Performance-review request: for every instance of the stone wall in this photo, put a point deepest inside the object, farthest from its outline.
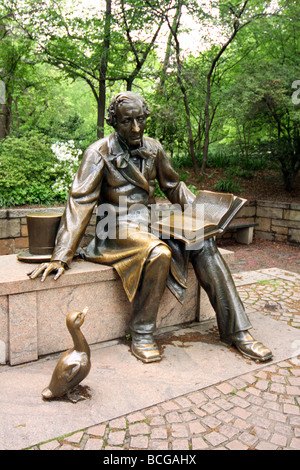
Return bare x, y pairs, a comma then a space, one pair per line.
277, 221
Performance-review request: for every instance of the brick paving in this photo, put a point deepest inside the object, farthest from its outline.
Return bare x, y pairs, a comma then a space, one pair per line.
258, 410
277, 298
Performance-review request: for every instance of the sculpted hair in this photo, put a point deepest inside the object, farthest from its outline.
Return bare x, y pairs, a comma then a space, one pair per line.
124, 97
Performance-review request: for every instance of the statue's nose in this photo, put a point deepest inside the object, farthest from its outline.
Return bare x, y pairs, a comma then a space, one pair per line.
135, 126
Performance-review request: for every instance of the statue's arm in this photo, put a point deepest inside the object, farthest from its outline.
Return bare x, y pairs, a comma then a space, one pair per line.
83, 197
169, 181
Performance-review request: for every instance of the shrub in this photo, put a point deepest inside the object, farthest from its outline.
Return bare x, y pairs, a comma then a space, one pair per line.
219, 159
228, 186
25, 170
67, 162
33, 171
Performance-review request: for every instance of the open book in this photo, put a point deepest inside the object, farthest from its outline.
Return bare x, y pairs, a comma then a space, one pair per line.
208, 215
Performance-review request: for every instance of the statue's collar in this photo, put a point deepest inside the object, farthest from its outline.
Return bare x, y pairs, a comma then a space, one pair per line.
120, 158
120, 153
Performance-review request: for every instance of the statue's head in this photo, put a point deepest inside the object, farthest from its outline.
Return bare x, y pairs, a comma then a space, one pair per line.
128, 113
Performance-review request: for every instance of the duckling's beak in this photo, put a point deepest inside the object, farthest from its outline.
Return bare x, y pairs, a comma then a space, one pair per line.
85, 311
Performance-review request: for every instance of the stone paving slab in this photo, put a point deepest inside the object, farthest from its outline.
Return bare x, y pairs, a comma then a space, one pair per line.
119, 384
252, 277
281, 273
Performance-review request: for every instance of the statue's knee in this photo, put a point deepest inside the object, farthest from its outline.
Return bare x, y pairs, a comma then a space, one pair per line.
162, 253
209, 246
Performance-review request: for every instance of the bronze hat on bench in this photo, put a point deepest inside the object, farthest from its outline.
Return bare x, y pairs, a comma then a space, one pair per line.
42, 230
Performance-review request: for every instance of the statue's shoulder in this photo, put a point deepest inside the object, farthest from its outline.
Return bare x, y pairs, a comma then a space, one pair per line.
101, 146
152, 144
96, 151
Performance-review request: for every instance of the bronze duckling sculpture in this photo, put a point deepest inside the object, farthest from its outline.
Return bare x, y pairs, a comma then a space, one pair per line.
74, 364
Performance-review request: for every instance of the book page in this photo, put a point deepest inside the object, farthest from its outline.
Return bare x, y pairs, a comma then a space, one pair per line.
216, 205
210, 213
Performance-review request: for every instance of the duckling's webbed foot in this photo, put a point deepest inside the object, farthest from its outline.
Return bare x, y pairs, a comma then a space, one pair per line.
77, 394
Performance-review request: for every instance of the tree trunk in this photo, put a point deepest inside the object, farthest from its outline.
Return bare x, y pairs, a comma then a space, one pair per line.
169, 49
190, 132
207, 125
289, 176
174, 31
102, 73
3, 112
6, 117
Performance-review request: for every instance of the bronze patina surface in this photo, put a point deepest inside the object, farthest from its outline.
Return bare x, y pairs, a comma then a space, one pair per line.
42, 230
74, 365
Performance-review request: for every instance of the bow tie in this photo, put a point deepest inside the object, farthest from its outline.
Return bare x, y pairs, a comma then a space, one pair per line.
122, 160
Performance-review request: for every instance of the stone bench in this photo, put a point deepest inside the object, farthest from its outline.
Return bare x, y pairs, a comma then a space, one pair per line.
32, 313
244, 231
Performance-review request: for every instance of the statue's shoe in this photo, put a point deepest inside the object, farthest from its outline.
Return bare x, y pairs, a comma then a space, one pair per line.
249, 347
145, 349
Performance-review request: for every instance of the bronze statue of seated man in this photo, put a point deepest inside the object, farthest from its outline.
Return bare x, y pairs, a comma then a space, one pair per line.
127, 164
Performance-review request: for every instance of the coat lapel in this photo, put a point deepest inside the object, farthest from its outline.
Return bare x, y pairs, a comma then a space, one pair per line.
121, 160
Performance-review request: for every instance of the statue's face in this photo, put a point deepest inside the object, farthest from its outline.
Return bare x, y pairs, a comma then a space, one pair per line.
131, 122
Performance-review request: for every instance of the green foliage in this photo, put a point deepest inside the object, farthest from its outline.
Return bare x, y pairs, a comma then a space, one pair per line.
160, 195
25, 170
219, 159
158, 192
32, 171
193, 189
167, 121
228, 185
51, 63
182, 160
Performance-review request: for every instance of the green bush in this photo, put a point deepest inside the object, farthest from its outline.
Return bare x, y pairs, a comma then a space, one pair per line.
182, 160
25, 170
228, 185
32, 171
219, 159
160, 195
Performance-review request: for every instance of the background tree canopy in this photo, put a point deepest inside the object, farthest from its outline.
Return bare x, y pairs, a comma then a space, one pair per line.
222, 80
